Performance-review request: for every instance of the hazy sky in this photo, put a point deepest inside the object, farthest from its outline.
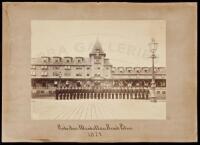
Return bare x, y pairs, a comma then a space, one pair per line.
126, 43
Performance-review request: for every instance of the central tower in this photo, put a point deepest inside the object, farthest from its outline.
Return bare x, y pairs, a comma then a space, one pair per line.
97, 57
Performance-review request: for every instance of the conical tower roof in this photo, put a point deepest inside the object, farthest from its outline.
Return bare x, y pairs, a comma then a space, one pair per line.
97, 48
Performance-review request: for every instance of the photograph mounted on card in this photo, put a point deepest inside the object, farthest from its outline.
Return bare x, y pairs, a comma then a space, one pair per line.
99, 72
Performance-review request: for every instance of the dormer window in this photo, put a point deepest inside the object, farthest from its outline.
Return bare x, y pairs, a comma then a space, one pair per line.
57, 59
79, 59
129, 70
45, 59
68, 59
146, 70
121, 70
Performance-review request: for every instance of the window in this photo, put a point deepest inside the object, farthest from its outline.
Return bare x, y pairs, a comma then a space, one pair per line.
68, 61
79, 68
88, 74
146, 70
88, 68
33, 67
33, 73
97, 61
121, 70
107, 68
57, 60
129, 69
98, 68
56, 67
55, 74
44, 67
163, 92
158, 92
79, 60
97, 75
67, 73
67, 67
79, 74
44, 73
45, 60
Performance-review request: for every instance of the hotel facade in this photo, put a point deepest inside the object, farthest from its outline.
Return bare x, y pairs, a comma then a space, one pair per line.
96, 72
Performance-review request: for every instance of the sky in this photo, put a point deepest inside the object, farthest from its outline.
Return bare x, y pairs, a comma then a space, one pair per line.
125, 42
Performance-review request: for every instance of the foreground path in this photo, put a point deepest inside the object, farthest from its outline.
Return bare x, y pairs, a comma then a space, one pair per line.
48, 109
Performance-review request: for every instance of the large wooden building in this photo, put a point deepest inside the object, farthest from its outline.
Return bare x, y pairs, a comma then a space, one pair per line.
96, 71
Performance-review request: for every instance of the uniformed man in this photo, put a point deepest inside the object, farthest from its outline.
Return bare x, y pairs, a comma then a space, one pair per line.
143, 93
60, 93
57, 93
72, 93
136, 93
64, 93
147, 93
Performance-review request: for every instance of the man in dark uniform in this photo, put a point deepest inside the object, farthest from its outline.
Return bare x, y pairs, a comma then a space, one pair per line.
143, 93
108, 88
147, 93
64, 93
83, 92
105, 92
131, 92
78, 93
56, 92
136, 93
124, 92
70, 92
60, 93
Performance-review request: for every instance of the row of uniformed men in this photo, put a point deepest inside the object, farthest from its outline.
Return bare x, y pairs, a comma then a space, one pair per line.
103, 93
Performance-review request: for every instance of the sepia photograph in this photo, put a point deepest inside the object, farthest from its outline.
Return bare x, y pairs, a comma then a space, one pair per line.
98, 69
99, 72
